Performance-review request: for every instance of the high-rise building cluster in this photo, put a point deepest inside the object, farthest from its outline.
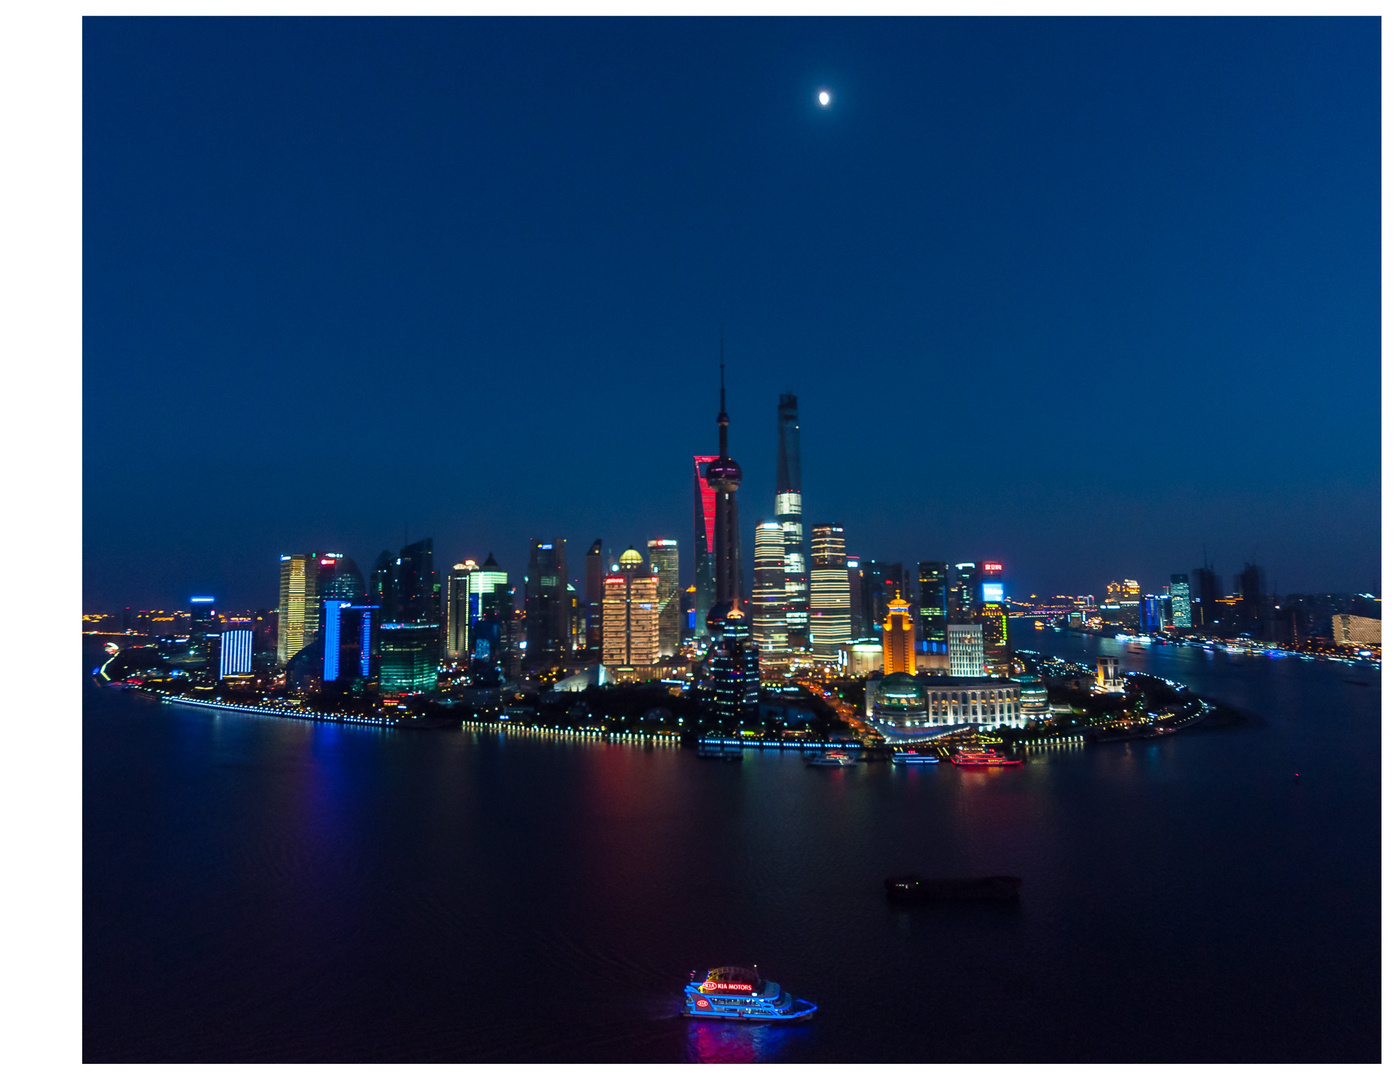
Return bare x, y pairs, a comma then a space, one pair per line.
935, 636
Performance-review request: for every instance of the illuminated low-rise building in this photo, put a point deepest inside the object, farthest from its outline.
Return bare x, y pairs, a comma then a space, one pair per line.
1033, 697
946, 704
862, 657
1356, 630
900, 704
1109, 680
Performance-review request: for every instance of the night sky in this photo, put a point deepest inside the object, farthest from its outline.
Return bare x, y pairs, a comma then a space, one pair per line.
1083, 296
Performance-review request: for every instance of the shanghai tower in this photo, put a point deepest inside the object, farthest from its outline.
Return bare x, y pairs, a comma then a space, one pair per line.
724, 476
796, 604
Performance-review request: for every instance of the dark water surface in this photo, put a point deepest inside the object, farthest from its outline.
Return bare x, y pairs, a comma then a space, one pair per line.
259, 889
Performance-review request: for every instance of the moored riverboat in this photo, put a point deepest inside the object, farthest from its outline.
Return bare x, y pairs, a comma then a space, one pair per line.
912, 889
983, 759
831, 759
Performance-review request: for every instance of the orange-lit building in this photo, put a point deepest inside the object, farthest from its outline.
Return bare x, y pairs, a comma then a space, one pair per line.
899, 652
630, 614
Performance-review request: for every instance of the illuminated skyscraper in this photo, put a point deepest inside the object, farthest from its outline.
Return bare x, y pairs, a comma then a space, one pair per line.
882, 581
858, 626
769, 595
340, 578
797, 602
664, 558
349, 642
383, 585
201, 617
993, 617
408, 662
1179, 601
1206, 597
484, 581
964, 598
966, 650
734, 669
492, 612
829, 590
899, 641
234, 653
458, 645
1153, 611
593, 572
932, 607
704, 509
419, 585
630, 614
298, 604
724, 475
546, 607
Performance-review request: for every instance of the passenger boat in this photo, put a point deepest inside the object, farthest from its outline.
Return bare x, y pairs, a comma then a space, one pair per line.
915, 757
911, 889
833, 758
740, 993
983, 759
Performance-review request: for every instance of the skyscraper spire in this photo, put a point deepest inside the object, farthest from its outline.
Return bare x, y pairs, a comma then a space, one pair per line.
722, 404
724, 476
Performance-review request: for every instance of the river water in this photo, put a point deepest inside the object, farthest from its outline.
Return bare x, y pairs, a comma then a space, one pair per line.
262, 889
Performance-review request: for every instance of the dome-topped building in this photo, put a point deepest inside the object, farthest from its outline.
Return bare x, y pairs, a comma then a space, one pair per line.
901, 702
630, 615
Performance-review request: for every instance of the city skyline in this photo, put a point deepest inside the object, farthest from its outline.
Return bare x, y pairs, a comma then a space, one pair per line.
1113, 306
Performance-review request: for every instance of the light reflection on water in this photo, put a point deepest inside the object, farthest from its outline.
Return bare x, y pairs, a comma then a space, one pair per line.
261, 888
712, 1042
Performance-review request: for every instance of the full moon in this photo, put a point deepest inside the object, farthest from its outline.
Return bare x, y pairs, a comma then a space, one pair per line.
824, 98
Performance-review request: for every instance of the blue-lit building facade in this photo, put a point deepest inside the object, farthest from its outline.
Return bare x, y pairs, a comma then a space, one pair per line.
234, 657
349, 643
1155, 612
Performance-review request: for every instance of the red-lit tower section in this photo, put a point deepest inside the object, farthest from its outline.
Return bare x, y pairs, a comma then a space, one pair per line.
704, 501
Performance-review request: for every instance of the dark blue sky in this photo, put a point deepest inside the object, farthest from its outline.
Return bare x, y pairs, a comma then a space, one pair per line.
1080, 295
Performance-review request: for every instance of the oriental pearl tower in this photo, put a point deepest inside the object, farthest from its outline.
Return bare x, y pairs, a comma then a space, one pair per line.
723, 476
